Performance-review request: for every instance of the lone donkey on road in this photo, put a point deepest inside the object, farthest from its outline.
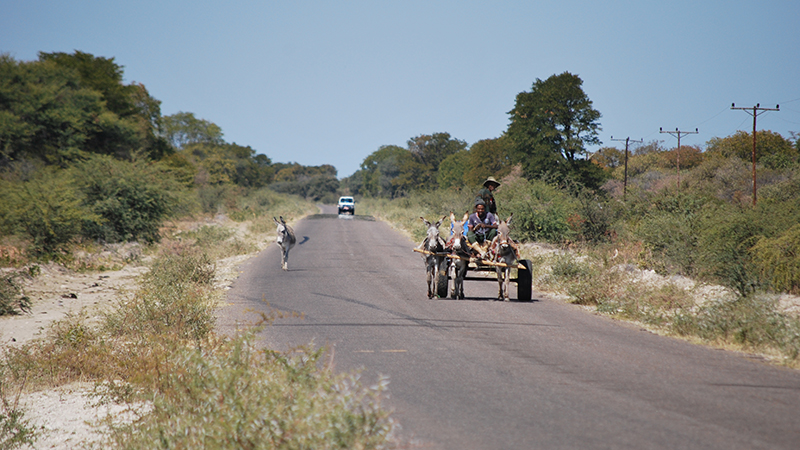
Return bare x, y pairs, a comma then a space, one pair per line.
285, 240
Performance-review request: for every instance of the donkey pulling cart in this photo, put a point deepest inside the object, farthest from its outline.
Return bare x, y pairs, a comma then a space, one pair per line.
454, 259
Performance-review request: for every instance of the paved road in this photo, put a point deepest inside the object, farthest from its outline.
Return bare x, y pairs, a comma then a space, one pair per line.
481, 374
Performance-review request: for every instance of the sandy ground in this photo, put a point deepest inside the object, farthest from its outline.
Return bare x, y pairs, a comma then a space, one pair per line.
65, 415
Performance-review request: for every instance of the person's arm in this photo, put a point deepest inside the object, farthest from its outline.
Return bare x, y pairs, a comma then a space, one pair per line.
493, 220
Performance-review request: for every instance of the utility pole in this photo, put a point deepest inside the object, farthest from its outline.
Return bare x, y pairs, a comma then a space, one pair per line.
757, 111
625, 182
678, 133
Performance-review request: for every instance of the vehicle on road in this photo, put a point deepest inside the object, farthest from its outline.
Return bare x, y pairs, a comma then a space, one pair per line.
347, 205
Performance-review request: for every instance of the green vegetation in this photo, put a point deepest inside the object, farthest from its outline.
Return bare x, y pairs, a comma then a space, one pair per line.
87, 161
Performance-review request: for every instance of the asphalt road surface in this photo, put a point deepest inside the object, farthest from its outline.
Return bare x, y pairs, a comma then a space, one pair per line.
483, 374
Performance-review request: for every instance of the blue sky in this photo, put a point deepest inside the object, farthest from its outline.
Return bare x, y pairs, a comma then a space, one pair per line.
329, 82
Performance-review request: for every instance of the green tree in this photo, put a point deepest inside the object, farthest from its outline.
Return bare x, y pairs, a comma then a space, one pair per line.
429, 151
452, 169
551, 126
488, 157
609, 157
231, 163
183, 128
100, 74
380, 170
312, 182
48, 209
772, 149
44, 113
132, 116
132, 199
65, 107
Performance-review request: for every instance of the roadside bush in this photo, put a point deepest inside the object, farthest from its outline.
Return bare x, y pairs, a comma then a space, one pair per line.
260, 205
218, 242
132, 198
49, 210
778, 260
175, 297
12, 301
239, 397
217, 198
593, 220
669, 230
15, 430
655, 305
724, 242
726, 178
752, 321
541, 211
405, 212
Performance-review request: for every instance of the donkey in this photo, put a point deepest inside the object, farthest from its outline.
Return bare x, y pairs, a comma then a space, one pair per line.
459, 248
433, 260
504, 250
285, 240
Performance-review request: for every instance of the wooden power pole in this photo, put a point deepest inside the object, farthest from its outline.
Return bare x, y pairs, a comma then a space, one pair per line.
625, 180
757, 111
679, 133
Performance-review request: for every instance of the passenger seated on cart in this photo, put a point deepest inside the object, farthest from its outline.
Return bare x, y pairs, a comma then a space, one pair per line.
482, 226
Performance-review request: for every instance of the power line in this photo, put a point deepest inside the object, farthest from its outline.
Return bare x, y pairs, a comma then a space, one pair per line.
679, 133
757, 111
625, 181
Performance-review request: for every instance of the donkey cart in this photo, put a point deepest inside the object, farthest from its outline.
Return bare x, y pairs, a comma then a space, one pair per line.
482, 270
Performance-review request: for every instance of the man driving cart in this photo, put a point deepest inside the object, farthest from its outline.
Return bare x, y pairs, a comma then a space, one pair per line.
481, 227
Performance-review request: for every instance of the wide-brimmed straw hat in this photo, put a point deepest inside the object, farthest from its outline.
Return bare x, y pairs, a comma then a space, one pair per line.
491, 180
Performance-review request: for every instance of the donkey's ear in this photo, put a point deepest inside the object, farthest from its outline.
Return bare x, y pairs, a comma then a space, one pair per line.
452, 217
508, 221
439, 222
425, 221
466, 217
275, 220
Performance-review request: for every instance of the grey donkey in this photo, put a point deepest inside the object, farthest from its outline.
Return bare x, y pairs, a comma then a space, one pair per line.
506, 251
434, 245
458, 246
285, 240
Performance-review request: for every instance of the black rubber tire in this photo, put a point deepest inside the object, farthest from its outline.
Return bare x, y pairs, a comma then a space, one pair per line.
441, 284
524, 281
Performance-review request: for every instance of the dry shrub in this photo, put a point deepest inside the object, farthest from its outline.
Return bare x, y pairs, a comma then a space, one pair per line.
778, 260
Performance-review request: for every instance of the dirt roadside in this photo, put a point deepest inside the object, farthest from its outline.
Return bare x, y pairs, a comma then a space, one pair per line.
68, 415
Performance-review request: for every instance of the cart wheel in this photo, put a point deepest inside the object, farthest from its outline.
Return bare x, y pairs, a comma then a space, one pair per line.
524, 281
441, 284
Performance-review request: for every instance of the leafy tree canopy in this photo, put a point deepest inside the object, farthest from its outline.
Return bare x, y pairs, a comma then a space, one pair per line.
429, 151
380, 169
100, 74
63, 108
452, 169
772, 149
609, 157
488, 157
550, 127
183, 128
